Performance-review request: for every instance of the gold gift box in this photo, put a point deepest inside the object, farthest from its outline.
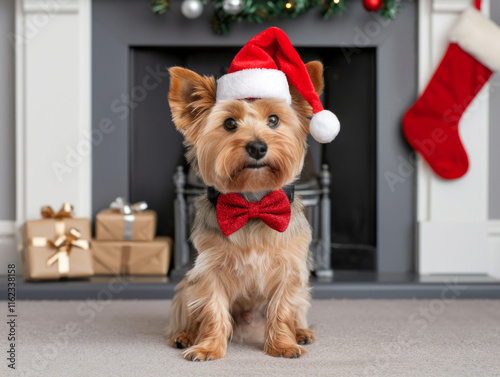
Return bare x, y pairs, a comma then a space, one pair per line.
132, 257
113, 226
40, 258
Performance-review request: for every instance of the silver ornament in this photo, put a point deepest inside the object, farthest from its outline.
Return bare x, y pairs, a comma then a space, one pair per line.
191, 8
233, 6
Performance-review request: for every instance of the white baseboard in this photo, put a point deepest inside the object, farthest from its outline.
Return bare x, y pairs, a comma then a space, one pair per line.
8, 246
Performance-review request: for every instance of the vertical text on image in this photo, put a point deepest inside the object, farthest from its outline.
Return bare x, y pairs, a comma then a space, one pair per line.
11, 315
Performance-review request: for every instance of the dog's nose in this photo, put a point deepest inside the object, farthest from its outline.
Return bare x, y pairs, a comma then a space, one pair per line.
256, 149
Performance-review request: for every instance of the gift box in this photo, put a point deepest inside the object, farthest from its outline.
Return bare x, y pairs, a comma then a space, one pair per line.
126, 222
57, 246
132, 257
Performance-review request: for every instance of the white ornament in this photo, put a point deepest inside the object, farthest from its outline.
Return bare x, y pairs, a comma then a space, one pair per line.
232, 6
191, 8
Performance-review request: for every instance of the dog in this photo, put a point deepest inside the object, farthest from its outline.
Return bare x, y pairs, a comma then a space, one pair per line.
251, 283
256, 281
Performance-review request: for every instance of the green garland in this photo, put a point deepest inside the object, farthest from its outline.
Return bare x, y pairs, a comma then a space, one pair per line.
265, 10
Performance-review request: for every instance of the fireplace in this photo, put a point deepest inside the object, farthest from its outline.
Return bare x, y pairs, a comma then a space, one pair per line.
54, 68
155, 147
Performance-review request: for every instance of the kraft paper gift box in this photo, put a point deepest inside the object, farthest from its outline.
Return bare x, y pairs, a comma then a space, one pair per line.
132, 257
57, 246
123, 221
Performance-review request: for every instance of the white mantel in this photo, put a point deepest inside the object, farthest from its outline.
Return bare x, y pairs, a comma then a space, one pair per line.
454, 233
53, 79
53, 83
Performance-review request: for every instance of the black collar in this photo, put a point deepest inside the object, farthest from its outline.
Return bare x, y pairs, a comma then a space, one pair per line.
213, 194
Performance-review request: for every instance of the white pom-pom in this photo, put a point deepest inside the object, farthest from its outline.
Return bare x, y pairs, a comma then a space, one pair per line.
324, 126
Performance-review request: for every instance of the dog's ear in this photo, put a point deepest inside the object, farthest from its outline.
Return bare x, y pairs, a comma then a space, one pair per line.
299, 104
191, 97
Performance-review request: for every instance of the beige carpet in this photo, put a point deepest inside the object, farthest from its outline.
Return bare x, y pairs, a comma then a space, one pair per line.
355, 338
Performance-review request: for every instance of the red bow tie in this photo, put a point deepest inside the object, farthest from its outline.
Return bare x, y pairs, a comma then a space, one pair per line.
233, 211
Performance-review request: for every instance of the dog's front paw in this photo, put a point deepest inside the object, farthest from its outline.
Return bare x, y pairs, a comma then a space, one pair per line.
305, 336
182, 340
291, 351
201, 353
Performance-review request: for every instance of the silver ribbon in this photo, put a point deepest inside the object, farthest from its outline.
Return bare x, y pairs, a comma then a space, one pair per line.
128, 227
127, 209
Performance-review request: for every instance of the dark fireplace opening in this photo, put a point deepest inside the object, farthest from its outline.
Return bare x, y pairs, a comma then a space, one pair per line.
350, 85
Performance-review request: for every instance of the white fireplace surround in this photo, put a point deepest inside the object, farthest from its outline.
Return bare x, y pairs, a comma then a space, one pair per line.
53, 71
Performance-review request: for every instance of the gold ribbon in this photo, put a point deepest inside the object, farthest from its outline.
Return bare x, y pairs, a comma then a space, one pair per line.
63, 244
66, 211
120, 205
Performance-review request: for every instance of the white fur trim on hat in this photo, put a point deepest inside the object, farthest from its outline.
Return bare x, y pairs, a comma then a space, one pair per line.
324, 126
254, 83
479, 36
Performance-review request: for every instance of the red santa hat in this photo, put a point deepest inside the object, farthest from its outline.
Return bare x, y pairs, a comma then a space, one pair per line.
264, 67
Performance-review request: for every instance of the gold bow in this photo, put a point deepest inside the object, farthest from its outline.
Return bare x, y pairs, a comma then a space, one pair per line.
66, 211
63, 244
120, 205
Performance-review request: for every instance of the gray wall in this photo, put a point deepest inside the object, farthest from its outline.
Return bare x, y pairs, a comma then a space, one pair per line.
7, 141
495, 131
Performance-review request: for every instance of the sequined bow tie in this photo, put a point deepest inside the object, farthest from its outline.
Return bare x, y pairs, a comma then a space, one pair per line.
233, 211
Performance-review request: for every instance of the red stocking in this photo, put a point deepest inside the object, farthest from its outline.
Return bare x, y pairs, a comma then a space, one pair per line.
431, 124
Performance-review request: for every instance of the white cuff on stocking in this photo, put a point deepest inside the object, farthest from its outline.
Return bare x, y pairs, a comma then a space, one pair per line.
479, 36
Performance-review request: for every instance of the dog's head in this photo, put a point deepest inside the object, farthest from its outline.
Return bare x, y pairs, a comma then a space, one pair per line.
241, 145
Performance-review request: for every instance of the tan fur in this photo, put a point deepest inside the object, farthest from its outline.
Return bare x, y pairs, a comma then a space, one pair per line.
254, 283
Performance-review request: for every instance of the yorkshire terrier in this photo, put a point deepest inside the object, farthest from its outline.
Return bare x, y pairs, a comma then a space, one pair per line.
251, 283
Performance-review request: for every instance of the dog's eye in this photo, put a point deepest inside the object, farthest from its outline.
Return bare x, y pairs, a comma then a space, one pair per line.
230, 124
274, 121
